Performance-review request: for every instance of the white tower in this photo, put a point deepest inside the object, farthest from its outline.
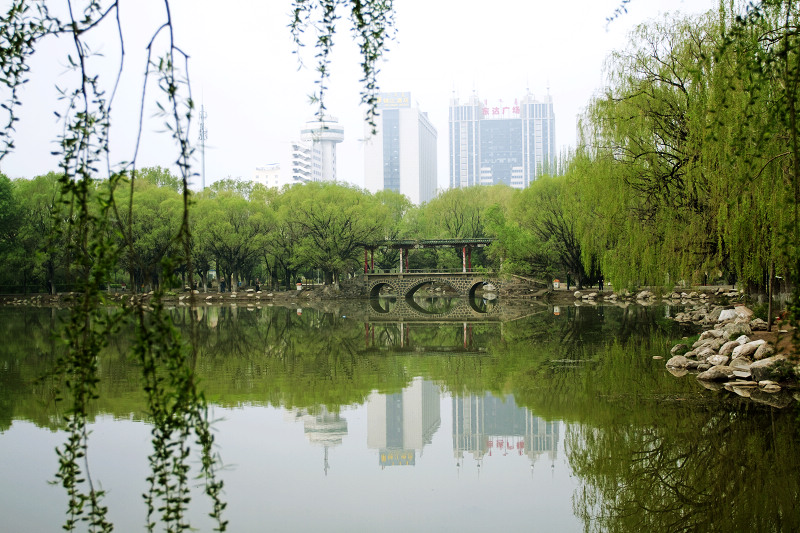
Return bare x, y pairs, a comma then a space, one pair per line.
323, 135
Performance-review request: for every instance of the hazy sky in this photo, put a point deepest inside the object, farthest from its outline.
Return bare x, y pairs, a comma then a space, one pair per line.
244, 72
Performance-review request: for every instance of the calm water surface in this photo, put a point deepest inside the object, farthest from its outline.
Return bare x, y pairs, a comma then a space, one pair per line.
436, 416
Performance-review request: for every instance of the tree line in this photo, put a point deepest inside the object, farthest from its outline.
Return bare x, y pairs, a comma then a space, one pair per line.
686, 170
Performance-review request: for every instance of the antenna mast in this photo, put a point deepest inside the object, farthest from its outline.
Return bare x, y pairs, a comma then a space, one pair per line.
202, 138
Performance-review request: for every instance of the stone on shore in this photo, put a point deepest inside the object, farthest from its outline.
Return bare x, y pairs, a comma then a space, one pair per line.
764, 351
763, 369
716, 373
679, 349
747, 349
717, 360
678, 361
728, 347
734, 330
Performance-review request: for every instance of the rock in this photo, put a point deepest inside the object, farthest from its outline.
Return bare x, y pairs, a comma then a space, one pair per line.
714, 314
716, 373
703, 367
742, 374
748, 349
675, 296
693, 295
717, 360
644, 295
677, 361
679, 349
726, 314
715, 344
732, 331
711, 334
742, 363
577, 294
728, 347
743, 339
758, 325
658, 357
762, 369
743, 312
706, 352
764, 351
694, 364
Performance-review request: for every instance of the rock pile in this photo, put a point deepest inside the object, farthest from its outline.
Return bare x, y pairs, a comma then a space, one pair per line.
726, 356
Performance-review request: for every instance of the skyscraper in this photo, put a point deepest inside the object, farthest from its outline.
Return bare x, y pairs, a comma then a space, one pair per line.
322, 135
511, 144
401, 155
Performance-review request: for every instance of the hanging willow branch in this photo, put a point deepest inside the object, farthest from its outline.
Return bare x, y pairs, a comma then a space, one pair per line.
372, 26
88, 183
98, 230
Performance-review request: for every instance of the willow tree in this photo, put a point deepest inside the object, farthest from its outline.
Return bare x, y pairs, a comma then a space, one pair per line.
176, 406
649, 189
758, 92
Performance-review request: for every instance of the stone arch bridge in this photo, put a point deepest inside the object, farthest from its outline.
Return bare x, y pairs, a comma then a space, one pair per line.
404, 285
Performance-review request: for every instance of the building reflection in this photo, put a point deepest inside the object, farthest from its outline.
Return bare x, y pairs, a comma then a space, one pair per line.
321, 428
399, 425
491, 426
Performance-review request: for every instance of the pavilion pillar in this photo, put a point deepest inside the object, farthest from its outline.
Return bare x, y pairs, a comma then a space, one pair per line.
366, 265
464, 259
408, 252
372, 260
401, 260
469, 259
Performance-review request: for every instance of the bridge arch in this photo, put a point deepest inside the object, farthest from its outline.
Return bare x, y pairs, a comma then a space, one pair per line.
376, 288
417, 283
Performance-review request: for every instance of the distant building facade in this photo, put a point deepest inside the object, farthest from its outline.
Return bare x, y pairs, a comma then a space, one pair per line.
321, 137
401, 155
269, 175
272, 176
511, 144
301, 162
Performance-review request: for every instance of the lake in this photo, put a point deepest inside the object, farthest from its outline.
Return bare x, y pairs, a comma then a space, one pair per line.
442, 415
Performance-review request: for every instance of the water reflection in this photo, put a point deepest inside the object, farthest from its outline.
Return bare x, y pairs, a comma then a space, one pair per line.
400, 425
329, 403
323, 428
486, 425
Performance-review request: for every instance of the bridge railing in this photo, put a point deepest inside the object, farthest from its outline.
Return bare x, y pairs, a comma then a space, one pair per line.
430, 271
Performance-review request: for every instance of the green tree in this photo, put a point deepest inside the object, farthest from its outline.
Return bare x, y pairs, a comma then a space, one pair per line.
330, 224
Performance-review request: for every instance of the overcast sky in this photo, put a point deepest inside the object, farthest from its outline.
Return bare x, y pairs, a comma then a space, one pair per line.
243, 71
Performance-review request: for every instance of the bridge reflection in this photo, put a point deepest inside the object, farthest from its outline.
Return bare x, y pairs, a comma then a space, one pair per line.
391, 308
427, 337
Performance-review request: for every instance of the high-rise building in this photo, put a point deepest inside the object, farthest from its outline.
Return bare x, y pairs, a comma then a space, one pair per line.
511, 144
322, 136
401, 155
